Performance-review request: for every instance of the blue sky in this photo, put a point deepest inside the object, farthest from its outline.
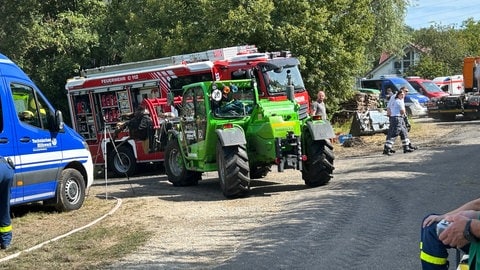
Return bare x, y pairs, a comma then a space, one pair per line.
423, 13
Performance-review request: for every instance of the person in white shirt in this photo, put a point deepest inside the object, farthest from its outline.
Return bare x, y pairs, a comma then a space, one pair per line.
396, 112
318, 106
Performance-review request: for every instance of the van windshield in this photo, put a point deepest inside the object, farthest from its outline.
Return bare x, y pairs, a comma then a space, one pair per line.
411, 90
431, 87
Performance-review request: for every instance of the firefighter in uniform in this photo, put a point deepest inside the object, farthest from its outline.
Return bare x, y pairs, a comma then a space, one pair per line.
6, 179
396, 111
462, 232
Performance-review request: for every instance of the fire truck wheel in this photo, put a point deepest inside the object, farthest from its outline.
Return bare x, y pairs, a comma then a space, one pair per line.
233, 170
175, 169
70, 191
122, 163
318, 168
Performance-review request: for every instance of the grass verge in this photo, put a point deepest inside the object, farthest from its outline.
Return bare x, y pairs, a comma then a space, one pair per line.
96, 246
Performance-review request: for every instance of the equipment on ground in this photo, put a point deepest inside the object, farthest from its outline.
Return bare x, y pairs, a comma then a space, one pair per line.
226, 126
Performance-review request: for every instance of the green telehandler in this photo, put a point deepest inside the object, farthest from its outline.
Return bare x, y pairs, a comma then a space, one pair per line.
224, 126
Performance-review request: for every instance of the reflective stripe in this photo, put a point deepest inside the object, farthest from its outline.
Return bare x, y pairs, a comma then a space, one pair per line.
432, 259
6, 229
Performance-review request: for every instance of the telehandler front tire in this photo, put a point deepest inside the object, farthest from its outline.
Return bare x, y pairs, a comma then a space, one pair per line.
318, 168
175, 168
233, 170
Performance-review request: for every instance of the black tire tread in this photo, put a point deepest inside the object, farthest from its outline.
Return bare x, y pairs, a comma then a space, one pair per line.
318, 169
236, 170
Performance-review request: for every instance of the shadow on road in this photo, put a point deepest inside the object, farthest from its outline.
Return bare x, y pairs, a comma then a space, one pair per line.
208, 189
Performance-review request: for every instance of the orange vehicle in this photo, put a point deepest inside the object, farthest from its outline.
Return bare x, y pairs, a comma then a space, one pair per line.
466, 104
471, 73
99, 97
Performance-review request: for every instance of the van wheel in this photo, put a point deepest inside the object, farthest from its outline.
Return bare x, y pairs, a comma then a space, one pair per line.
122, 163
70, 191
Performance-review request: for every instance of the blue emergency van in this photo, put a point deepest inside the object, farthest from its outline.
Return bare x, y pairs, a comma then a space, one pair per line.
52, 162
415, 103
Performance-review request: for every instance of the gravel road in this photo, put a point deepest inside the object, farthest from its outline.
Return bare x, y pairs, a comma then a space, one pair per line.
367, 217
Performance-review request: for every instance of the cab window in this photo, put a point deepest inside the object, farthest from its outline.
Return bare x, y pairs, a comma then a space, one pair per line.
30, 108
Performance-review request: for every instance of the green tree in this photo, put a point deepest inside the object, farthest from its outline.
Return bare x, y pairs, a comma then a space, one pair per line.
469, 36
49, 39
444, 47
335, 40
390, 34
428, 68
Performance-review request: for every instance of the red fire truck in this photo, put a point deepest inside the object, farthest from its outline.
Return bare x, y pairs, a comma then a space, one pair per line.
100, 96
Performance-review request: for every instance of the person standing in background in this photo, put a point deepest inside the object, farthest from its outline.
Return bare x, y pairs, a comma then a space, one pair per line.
318, 106
6, 179
396, 112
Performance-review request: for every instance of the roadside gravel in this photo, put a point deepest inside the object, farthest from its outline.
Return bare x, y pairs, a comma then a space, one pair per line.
196, 228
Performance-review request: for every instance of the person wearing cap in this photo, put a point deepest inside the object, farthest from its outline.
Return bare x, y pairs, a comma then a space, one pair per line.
6, 179
396, 112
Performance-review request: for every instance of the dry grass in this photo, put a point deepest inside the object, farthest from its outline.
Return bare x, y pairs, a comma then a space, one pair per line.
97, 245
421, 134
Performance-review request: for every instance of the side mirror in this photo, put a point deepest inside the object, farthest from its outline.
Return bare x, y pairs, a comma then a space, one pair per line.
58, 121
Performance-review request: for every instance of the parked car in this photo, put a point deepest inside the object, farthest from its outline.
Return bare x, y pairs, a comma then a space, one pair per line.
426, 87
415, 102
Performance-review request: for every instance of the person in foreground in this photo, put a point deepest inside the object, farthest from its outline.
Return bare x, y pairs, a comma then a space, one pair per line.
6, 179
462, 231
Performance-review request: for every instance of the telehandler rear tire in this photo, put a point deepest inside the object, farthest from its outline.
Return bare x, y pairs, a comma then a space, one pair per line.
175, 168
233, 170
318, 168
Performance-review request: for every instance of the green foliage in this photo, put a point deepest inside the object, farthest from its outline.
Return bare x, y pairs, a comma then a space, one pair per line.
390, 35
447, 47
343, 127
428, 68
331, 38
50, 40
335, 40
